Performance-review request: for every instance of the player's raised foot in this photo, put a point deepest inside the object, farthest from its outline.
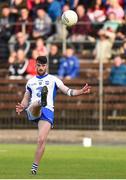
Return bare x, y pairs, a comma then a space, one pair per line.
33, 171
44, 96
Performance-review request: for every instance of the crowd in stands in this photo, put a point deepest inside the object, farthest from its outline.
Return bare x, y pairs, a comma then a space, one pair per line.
27, 26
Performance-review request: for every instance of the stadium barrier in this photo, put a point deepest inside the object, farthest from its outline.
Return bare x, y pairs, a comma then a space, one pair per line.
81, 112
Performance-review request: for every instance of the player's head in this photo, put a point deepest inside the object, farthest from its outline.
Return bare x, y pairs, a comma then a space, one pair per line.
41, 65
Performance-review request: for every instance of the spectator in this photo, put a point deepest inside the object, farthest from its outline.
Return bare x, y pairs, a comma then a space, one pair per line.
54, 9
118, 72
24, 23
15, 7
116, 8
6, 28
34, 5
103, 47
31, 68
112, 24
31, 3
21, 43
40, 47
54, 59
17, 69
42, 25
69, 65
97, 13
83, 28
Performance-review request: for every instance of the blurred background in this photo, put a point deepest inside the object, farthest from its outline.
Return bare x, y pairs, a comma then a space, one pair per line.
92, 51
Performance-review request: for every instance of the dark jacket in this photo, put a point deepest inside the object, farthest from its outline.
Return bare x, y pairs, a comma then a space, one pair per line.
54, 61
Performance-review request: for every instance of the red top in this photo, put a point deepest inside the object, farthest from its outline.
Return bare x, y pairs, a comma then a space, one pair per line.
31, 69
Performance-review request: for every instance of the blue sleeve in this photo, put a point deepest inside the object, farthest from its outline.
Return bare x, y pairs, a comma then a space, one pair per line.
54, 10
76, 68
58, 10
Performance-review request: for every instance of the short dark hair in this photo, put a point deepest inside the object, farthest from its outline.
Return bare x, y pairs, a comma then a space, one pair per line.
42, 59
5, 6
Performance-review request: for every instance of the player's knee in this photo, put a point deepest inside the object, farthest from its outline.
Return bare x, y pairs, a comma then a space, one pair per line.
41, 140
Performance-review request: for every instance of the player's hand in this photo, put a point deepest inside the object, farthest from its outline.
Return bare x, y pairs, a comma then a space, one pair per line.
86, 89
19, 108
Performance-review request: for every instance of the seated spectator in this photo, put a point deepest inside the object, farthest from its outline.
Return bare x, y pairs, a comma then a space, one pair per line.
31, 68
83, 28
42, 25
24, 23
33, 5
118, 72
21, 43
54, 59
40, 47
103, 47
15, 7
97, 13
69, 65
116, 8
112, 23
18, 65
6, 28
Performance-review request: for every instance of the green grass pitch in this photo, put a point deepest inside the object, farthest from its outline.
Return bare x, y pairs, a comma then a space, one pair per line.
63, 162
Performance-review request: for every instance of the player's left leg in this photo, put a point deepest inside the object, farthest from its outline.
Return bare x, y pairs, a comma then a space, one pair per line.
43, 131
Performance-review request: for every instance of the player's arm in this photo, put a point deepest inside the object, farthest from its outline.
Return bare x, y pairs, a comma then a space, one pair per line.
24, 103
75, 92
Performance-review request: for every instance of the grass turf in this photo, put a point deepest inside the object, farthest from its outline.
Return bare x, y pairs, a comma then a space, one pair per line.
63, 162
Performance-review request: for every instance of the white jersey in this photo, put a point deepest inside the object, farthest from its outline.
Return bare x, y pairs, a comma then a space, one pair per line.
35, 84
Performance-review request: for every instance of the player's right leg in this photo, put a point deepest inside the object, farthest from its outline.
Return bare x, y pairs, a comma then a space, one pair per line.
43, 131
34, 110
44, 94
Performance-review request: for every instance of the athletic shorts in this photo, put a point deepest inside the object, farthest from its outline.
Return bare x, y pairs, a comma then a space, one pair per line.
46, 115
